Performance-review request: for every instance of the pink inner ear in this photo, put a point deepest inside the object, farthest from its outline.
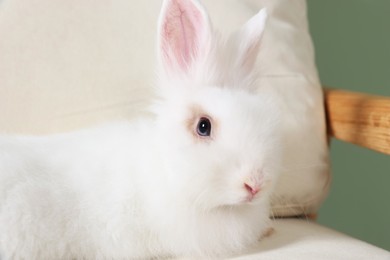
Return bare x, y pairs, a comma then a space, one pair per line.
182, 30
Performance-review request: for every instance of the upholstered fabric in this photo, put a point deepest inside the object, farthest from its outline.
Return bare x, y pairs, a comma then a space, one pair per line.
296, 239
65, 65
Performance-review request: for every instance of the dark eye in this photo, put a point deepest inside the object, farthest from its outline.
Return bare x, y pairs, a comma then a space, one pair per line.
204, 127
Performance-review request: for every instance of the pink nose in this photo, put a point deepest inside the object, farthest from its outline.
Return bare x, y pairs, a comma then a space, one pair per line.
252, 188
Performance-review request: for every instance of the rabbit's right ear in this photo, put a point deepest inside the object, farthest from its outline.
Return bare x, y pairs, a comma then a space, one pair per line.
184, 35
250, 38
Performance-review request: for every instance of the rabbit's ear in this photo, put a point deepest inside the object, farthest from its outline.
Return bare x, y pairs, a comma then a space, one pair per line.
184, 34
249, 38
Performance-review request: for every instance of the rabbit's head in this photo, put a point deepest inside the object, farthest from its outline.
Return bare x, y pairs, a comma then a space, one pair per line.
219, 135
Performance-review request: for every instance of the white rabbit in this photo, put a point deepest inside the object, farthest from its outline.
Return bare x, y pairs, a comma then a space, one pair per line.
193, 179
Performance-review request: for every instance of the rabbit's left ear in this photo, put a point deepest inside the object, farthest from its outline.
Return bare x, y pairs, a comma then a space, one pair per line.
184, 33
249, 38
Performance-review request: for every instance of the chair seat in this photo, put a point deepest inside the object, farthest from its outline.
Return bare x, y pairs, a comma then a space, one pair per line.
304, 239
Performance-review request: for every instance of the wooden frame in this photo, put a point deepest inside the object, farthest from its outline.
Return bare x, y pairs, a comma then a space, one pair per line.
358, 118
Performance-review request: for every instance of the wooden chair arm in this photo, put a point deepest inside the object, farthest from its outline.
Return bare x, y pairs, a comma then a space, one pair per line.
359, 119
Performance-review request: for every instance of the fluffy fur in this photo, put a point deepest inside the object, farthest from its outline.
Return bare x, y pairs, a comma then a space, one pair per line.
154, 187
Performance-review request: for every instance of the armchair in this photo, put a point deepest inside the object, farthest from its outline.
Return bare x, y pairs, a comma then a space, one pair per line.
65, 65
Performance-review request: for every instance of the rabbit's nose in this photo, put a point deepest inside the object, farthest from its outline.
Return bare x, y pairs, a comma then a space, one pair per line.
252, 187
253, 184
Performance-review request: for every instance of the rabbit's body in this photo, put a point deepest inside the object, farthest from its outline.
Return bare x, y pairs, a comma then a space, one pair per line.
193, 179
105, 193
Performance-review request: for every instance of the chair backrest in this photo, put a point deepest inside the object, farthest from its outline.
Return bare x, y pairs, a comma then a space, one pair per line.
359, 118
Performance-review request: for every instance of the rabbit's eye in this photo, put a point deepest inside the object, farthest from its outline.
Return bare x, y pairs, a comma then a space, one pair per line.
204, 127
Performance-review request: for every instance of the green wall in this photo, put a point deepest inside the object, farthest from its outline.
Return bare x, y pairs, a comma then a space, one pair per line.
352, 41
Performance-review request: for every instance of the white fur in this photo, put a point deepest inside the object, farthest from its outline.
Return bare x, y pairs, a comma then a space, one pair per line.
150, 188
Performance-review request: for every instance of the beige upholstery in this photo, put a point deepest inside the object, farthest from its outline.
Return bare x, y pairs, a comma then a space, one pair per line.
295, 239
65, 65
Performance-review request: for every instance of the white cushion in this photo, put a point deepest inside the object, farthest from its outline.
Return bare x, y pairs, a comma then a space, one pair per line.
68, 64
303, 239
